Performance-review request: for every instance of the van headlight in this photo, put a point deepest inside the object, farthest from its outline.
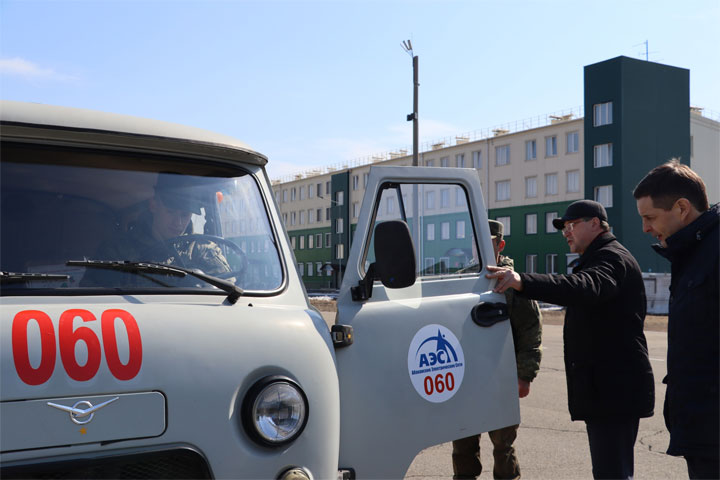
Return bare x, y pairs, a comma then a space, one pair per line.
275, 411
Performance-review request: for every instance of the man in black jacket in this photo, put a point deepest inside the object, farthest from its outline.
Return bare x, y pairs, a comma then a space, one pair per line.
673, 205
609, 378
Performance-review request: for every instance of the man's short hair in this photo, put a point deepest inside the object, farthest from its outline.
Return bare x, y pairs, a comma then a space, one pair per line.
668, 182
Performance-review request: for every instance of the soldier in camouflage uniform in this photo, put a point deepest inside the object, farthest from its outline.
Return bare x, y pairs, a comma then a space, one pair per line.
526, 325
157, 236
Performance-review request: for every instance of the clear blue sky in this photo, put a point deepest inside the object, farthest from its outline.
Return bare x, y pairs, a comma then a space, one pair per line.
318, 83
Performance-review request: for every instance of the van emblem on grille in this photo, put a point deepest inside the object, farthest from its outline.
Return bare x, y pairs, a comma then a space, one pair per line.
76, 412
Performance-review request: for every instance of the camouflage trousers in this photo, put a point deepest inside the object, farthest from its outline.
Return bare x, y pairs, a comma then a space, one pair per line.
466, 455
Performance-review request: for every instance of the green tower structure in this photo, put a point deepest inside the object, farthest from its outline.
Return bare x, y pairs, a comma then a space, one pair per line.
637, 116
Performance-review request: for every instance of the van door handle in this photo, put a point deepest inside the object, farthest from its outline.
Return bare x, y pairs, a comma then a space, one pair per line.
487, 314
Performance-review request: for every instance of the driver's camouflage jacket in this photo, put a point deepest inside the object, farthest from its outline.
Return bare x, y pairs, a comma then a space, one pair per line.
526, 324
138, 244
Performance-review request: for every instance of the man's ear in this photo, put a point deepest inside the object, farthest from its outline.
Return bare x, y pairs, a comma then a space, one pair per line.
501, 246
685, 207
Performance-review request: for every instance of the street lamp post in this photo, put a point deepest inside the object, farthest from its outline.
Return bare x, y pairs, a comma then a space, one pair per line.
407, 46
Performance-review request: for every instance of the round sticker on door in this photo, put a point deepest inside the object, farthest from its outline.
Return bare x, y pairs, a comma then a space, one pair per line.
436, 363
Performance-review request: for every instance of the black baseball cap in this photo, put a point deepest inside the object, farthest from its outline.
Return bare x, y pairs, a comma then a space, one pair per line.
581, 209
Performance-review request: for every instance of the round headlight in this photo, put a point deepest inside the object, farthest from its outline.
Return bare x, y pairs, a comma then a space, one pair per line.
275, 411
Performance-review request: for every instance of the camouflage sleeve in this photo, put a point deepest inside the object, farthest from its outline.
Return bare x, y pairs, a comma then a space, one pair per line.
526, 324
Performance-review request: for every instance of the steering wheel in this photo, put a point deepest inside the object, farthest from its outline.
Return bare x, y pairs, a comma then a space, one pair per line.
208, 253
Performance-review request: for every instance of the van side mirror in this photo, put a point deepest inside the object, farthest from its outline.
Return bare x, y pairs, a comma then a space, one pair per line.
394, 262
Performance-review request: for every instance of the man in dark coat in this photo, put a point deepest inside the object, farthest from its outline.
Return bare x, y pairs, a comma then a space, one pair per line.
673, 205
609, 378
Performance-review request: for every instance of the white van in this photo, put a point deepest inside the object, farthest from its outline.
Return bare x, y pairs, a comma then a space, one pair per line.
153, 324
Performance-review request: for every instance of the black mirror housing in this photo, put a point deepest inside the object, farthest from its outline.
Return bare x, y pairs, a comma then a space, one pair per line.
394, 254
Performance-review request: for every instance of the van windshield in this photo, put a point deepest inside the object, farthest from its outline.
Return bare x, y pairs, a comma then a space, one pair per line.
76, 219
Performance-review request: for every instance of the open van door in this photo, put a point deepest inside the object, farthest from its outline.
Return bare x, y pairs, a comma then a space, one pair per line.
430, 356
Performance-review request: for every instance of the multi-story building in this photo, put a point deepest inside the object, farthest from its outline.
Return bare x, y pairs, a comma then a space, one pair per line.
637, 116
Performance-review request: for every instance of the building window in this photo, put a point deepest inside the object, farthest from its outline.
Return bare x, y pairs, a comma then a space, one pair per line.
573, 142
311, 241
551, 184
293, 218
365, 179
444, 198
318, 215
502, 190
551, 146
318, 240
327, 240
603, 195
445, 162
328, 270
327, 188
430, 163
530, 187
429, 265
530, 150
302, 242
531, 224
530, 263
356, 209
460, 229
302, 217
339, 225
309, 267
292, 242
293, 194
443, 264
302, 193
502, 155
301, 269
573, 181
459, 197
430, 231
602, 114
318, 268
445, 231
339, 198
355, 182
327, 214
506, 225
319, 190
603, 155
551, 263
311, 191
430, 200
549, 217
339, 251
477, 159
285, 197
311, 216
460, 160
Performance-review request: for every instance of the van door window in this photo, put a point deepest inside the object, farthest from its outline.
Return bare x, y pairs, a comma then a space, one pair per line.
444, 238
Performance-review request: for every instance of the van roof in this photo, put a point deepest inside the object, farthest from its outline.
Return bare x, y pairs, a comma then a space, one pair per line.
39, 122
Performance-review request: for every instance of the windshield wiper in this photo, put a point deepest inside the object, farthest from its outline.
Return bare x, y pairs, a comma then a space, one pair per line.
24, 277
234, 292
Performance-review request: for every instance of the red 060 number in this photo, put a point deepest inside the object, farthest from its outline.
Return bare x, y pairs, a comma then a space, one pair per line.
440, 383
67, 340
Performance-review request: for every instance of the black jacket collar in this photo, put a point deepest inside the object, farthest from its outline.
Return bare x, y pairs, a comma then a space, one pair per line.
600, 241
686, 237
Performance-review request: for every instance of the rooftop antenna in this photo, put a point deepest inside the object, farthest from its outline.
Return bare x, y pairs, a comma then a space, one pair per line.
647, 52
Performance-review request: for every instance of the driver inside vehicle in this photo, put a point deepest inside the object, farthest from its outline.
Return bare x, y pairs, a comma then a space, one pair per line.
163, 233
